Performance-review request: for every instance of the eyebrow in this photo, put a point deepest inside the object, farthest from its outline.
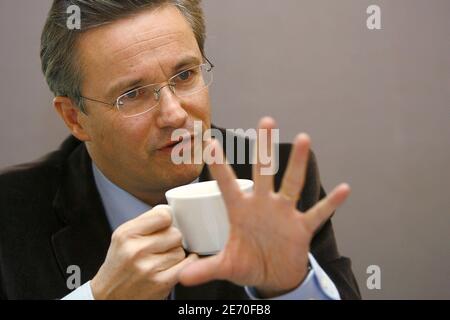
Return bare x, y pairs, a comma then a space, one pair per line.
121, 85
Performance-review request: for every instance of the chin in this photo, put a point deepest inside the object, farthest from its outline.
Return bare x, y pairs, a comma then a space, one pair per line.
183, 174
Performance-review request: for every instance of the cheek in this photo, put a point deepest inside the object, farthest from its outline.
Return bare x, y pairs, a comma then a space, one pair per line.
132, 134
123, 137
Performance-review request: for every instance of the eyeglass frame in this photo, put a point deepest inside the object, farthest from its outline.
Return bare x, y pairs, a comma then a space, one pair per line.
115, 104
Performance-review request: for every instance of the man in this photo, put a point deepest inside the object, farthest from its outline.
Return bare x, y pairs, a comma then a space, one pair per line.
136, 72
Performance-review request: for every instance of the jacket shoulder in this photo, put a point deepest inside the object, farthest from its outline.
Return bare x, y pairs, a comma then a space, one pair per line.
32, 178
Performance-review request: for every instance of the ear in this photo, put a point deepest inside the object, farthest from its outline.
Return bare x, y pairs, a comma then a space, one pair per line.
73, 117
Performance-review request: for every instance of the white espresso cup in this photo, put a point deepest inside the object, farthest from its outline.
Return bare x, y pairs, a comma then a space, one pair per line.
199, 212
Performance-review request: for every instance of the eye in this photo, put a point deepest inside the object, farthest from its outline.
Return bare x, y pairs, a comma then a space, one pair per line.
185, 75
135, 94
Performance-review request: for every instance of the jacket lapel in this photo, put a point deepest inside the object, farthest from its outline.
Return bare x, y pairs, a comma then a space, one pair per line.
84, 239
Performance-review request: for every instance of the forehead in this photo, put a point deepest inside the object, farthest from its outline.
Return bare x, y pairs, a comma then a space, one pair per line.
150, 39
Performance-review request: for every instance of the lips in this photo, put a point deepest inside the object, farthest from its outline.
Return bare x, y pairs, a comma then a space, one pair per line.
172, 144
169, 145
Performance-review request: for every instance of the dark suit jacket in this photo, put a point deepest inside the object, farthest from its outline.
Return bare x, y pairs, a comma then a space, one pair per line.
51, 217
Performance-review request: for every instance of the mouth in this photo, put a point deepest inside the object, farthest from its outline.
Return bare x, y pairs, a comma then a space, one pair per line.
168, 147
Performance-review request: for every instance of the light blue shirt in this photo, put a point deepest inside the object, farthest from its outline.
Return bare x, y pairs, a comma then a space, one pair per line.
121, 206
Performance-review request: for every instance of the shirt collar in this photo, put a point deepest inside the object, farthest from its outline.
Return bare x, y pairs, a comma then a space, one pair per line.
120, 206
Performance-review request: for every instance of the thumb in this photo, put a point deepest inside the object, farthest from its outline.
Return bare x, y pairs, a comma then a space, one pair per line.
201, 271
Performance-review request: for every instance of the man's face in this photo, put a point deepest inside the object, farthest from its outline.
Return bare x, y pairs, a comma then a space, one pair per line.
146, 48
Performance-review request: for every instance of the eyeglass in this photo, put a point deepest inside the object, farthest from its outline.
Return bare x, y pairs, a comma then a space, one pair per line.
143, 99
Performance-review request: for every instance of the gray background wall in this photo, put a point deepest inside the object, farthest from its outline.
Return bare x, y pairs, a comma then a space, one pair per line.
376, 103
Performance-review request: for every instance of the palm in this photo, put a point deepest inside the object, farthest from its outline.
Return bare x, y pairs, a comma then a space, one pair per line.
269, 240
254, 241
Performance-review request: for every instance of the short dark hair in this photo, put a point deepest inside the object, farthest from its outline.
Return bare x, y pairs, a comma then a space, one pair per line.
58, 43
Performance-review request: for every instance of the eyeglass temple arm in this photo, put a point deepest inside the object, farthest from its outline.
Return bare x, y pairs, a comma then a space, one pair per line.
212, 65
107, 103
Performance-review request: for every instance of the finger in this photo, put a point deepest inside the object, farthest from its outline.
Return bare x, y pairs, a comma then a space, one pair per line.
263, 157
171, 275
154, 220
163, 261
294, 176
323, 210
161, 241
201, 271
226, 179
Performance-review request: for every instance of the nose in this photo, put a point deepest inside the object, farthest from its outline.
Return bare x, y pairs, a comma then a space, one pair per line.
170, 111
